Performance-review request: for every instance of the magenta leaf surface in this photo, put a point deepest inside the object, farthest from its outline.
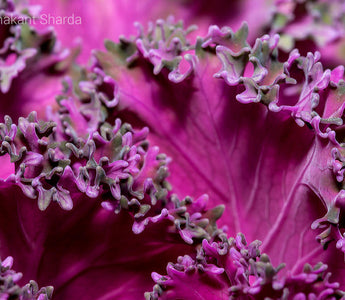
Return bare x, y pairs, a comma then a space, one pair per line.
170, 142
274, 177
104, 179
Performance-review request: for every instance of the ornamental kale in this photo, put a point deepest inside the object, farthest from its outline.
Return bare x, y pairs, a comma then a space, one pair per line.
141, 169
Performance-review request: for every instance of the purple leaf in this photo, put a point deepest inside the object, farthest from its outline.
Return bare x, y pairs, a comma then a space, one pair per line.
251, 158
85, 200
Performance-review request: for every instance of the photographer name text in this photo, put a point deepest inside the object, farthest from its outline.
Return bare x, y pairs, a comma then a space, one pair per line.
43, 19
